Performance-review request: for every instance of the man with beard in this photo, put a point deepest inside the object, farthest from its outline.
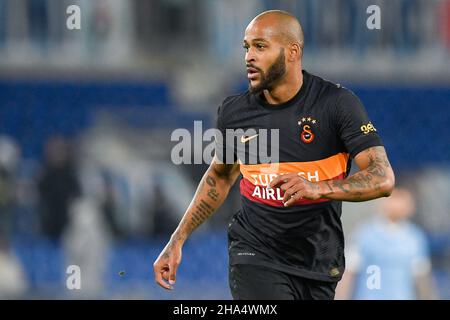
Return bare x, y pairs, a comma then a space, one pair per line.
286, 242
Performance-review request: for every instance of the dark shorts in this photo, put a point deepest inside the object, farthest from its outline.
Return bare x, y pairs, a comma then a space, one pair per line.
252, 282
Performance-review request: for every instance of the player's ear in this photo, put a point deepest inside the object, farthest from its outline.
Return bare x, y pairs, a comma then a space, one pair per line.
294, 52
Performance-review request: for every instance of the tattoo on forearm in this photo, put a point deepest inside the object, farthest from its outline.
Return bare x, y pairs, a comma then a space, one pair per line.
368, 179
202, 211
212, 193
329, 187
360, 181
176, 237
340, 185
211, 181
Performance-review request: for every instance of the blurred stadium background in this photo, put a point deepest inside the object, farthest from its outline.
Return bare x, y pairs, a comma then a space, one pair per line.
86, 117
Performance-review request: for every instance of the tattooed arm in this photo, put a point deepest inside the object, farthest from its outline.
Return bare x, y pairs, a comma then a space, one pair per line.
211, 193
374, 180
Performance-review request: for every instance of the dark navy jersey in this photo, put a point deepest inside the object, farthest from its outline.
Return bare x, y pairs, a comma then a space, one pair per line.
315, 134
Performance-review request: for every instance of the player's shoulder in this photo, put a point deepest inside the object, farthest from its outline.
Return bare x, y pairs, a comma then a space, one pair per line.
339, 99
331, 89
242, 97
233, 102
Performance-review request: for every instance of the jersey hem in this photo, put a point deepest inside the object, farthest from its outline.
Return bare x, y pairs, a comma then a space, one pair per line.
289, 270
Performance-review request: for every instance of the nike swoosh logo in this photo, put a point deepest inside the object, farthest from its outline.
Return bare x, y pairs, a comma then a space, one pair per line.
245, 139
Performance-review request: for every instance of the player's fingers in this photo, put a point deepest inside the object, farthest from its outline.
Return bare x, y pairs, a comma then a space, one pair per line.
294, 198
286, 186
173, 272
290, 192
274, 182
301, 176
281, 179
159, 280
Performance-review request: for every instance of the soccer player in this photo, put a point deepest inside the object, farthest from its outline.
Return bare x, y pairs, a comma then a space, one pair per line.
286, 242
397, 248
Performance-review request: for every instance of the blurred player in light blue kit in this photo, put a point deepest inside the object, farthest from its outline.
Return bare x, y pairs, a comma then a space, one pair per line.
397, 248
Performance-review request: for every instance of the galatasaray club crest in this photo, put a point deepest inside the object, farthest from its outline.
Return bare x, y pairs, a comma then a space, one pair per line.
306, 125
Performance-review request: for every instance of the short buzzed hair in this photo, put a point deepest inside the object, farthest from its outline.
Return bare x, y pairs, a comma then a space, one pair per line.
289, 26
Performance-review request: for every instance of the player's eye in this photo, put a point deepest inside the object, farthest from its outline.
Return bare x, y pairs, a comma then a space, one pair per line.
245, 47
260, 46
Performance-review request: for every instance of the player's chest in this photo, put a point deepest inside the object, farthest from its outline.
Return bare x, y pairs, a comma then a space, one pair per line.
297, 134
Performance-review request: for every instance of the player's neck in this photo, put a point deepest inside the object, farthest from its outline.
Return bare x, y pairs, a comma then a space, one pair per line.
286, 90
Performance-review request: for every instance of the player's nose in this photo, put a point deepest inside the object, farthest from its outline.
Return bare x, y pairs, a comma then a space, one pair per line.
250, 56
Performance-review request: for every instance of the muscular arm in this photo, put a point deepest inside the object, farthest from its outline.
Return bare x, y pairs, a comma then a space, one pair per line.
211, 193
375, 179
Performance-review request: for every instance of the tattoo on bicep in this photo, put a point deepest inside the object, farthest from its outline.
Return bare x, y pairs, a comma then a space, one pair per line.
378, 162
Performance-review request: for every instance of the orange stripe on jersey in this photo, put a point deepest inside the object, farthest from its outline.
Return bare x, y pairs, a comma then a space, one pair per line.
273, 196
256, 177
324, 169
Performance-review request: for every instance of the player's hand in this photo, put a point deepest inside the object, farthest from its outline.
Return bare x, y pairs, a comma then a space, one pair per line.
295, 188
166, 265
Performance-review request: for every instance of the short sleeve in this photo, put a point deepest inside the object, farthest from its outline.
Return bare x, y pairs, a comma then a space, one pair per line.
355, 129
